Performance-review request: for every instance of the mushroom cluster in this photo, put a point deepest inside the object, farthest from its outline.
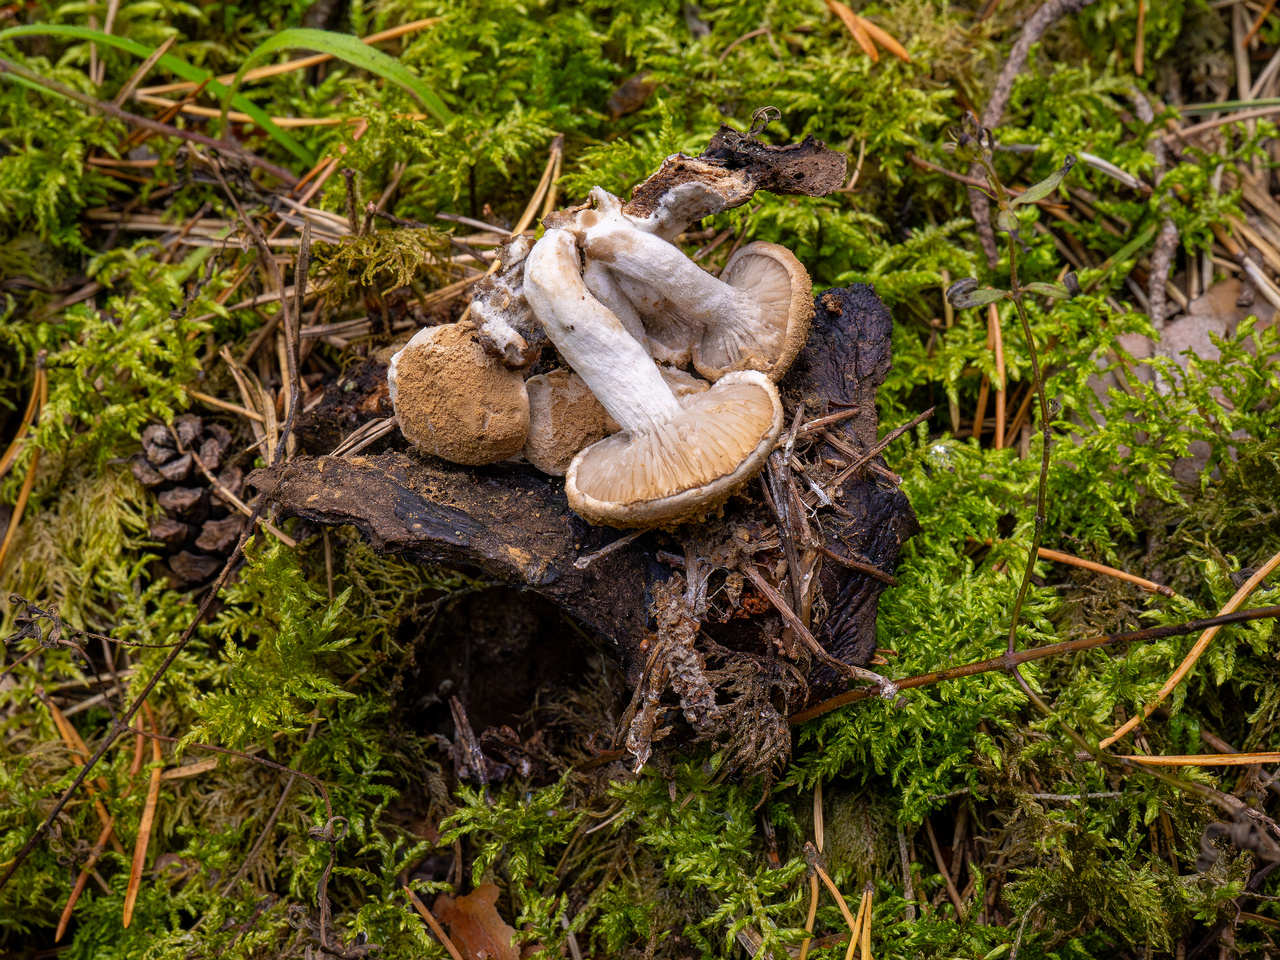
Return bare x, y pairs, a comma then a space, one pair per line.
639, 439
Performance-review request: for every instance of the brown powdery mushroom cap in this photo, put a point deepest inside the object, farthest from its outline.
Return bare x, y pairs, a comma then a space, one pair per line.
455, 401
687, 467
564, 418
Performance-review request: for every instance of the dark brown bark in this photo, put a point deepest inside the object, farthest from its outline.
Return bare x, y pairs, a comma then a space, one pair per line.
512, 523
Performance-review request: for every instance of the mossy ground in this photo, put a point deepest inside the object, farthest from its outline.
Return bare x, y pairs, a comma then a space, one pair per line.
1051, 855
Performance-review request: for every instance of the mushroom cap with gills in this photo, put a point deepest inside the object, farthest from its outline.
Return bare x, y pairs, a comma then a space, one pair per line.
685, 468
564, 417
755, 318
779, 283
455, 401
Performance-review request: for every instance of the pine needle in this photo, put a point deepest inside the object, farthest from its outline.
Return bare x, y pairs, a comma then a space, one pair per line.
144, 825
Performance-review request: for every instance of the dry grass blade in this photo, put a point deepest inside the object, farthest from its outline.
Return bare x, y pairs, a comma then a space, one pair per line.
432, 923
530, 211
235, 116
213, 401
144, 825
1059, 557
1199, 648
143, 69
302, 63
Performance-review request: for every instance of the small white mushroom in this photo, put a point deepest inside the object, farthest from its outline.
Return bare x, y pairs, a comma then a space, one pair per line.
455, 401
756, 318
677, 458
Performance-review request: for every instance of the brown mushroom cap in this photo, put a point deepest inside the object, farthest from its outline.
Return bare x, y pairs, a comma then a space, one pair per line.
455, 401
564, 418
781, 285
687, 466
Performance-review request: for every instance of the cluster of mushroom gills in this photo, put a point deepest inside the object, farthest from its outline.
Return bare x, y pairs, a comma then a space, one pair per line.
640, 441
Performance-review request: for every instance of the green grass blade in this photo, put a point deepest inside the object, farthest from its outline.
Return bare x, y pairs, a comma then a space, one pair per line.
355, 52
177, 66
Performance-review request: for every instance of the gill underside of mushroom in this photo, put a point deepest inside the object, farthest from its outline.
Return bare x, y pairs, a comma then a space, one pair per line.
805, 549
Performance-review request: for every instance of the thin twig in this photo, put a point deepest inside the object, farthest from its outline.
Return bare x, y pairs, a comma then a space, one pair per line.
952, 892
881, 446
1008, 661
587, 559
886, 687
121, 724
1200, 646
432, 923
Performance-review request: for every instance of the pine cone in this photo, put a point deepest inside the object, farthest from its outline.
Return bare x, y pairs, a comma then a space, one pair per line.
200, 527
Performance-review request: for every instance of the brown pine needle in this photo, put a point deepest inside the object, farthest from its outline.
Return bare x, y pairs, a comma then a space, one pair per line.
38, 387
980, 414
813, 915
1207, 759
85, 872
79, 753
1200, 646
144, 825
1058, 557
860, 921
1257, 24
997, 340
840, 901
869, 894
432, 923
886, 40
853, 23
952, 892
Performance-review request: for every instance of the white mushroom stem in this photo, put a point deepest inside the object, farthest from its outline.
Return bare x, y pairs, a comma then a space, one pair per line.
615, 241
613, 363
604, 287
